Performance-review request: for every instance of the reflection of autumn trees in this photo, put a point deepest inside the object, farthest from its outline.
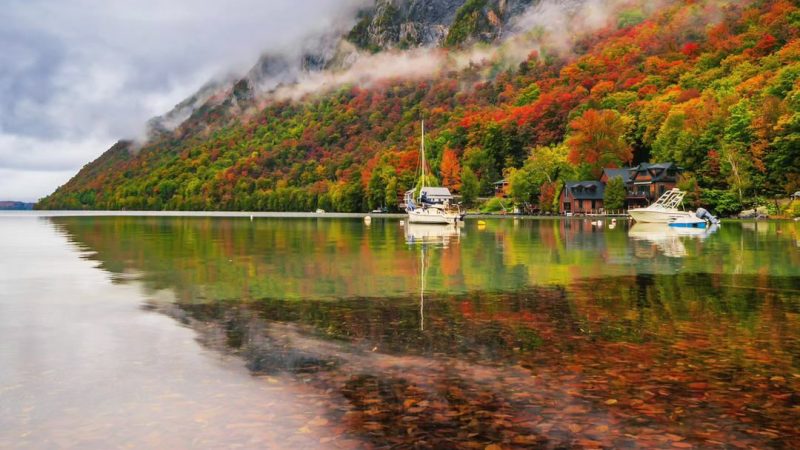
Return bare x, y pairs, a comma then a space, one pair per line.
611, 349
720, 364
623, 361
300, 259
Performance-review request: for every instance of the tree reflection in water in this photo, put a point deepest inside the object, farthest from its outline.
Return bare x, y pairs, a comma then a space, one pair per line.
549, 334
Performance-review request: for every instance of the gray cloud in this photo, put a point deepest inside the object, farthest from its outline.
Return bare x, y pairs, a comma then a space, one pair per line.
76, 75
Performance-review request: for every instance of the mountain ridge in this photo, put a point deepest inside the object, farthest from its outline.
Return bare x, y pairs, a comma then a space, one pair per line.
386, 25
710, 85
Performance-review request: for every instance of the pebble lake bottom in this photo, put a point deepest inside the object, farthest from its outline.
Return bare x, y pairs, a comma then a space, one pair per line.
173, 331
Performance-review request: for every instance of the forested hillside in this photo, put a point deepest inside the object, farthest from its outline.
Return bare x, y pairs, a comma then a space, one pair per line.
713, 86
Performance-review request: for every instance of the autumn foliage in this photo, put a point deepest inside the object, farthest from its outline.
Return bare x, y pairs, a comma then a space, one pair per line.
597, 139
711, 85
451, 170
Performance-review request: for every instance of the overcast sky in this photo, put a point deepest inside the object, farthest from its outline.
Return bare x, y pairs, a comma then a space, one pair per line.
78, 75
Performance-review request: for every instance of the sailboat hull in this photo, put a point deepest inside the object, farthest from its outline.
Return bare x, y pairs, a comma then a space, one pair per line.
432, 216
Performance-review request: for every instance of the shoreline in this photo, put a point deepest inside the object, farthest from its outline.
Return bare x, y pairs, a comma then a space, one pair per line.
311, 215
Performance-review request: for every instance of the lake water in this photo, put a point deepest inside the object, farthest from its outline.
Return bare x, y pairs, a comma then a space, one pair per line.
330, 333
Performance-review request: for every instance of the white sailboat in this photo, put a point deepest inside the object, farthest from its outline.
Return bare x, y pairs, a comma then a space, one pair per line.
435, 204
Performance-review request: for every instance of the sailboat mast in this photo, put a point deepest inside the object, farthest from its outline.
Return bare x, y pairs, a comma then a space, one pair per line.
422, 150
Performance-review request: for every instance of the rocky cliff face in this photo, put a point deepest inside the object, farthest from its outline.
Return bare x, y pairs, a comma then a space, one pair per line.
414, 23
386, 25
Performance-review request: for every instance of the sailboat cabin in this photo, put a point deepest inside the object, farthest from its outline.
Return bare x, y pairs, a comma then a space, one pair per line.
435, 195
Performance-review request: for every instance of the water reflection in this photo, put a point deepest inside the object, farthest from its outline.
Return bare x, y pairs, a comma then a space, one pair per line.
555, 334
669, 240
420, 233
83, 366
424, 236
616, 362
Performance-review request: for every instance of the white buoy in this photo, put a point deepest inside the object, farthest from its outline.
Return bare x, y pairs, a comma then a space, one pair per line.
402, 223
251, 217
368, 220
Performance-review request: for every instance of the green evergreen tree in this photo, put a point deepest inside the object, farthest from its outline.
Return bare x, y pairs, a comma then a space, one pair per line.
614, 197
376, 189
522, 186
469, 186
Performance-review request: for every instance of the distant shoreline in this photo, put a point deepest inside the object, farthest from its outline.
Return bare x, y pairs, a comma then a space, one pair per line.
11, 205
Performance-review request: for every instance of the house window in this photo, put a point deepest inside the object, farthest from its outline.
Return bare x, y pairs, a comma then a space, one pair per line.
567, 207
594, 204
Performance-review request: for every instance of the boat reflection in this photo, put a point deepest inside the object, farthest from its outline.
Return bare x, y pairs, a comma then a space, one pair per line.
669, 240
419, 233
429, 235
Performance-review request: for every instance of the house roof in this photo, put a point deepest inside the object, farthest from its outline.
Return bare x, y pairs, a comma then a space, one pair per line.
662, 170
625, 174
644, 166
586, 190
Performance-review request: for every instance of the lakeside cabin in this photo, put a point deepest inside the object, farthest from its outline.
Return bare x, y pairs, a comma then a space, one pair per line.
582, 197
644, 184
500, 188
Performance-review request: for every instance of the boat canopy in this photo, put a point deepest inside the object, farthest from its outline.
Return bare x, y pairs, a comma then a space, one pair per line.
670, 200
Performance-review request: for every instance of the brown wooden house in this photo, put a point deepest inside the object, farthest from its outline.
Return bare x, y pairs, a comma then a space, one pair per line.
648, 182
645, 183
582, 197
501, 188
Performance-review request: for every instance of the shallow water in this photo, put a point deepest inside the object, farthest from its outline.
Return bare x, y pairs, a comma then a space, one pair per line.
305, 332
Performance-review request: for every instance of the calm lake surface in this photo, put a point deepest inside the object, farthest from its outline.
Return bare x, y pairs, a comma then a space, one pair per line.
198, 332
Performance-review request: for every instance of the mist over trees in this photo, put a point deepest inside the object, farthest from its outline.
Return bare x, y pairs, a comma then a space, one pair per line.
709, 85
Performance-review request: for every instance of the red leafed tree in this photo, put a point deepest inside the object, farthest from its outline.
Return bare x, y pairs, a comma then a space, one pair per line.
597, 140
451, 170
547, 196
765, 45
691, 49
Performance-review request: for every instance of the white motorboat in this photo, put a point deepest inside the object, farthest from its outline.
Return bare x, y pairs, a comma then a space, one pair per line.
664, 210
435, 204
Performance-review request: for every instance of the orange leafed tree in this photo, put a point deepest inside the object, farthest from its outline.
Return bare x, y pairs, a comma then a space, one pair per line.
451, 170
598, 140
